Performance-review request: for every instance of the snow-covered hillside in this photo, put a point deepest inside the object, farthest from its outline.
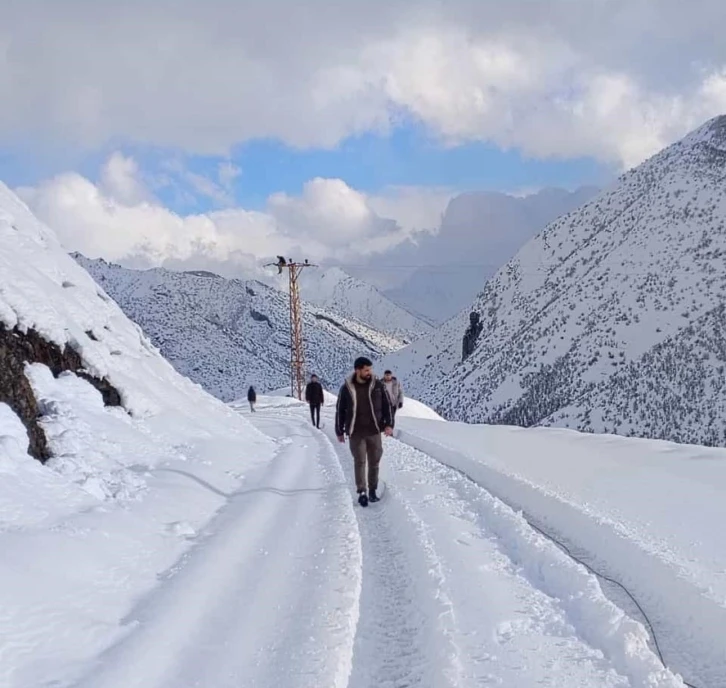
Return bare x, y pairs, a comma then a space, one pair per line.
228, 334
479, 232
88, 533
336, 291
610, 319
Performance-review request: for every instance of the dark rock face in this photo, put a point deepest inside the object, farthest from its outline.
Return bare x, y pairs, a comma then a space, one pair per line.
259, 317
18, 348
471, 335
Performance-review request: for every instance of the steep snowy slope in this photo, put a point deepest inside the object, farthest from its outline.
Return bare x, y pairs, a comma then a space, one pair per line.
686, 374
609, 300
228, 334
337, 291
479, 232
87, 533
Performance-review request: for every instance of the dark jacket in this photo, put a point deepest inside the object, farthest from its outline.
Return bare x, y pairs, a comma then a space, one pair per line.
251, 394
314, 393
346, 411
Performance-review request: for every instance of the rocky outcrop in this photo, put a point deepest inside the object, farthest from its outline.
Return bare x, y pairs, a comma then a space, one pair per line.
18, 348
471, 335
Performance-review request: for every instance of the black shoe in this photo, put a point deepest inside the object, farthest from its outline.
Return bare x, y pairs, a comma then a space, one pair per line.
372, 496
362, 499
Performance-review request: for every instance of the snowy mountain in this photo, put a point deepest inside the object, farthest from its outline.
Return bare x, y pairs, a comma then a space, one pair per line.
610, 319
227, 334
335, 290
338, 292
170, 540
479, 232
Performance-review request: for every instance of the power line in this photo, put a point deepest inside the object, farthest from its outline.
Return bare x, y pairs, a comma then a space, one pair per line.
495, 268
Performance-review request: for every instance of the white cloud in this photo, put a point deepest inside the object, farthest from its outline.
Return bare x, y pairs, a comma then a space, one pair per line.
121, 180
616, 80
119, 220
416, 209
227, 173
178, 176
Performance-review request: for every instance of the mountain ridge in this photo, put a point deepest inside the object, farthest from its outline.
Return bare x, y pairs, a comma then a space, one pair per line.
593, 294
335, 290
226, 334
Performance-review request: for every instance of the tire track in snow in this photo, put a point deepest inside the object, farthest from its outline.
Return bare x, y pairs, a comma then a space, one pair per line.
573, 625
268, 597
684, 617
400, 641
439, 608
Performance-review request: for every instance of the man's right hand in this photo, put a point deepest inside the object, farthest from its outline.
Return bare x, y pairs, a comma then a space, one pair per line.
341, 439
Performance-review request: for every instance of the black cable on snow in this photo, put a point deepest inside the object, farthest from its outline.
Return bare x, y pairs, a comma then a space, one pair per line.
572, 556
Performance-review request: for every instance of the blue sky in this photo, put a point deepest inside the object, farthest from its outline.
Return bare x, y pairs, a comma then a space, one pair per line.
369, 163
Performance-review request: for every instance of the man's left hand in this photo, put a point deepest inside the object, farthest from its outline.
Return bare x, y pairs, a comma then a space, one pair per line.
388, 432
400, 405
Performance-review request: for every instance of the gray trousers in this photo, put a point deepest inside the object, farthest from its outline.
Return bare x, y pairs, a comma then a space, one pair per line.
366, 449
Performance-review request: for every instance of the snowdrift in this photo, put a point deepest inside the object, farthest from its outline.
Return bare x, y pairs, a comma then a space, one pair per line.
124, 490
416, 409
646, 513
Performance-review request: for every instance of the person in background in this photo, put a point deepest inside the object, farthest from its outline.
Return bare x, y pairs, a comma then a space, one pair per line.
315, 397
363, 412
252, 398
395, 394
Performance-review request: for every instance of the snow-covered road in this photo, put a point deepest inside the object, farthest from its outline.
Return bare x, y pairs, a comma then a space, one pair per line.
439, 584
455, 589
459, 591
269, 594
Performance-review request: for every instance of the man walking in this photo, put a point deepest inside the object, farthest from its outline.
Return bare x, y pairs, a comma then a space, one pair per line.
252, 398
315, 397
395, 394
363, 412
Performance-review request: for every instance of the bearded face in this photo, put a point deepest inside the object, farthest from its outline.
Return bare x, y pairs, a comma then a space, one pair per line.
365, 374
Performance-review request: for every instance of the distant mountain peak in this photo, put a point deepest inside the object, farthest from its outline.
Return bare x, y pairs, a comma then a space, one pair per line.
480, 231
334, 289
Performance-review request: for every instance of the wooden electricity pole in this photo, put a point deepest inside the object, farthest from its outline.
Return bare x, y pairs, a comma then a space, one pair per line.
297, 344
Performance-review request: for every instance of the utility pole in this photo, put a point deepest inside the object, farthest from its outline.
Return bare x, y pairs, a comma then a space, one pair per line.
297, 344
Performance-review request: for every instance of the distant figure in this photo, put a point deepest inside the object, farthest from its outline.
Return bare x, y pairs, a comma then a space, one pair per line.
281, 263
363, 413
252, 398
395, 394
315, 397
471, 335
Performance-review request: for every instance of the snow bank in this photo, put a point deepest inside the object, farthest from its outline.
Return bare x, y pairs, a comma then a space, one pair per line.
643, 512
416, 409
127, 488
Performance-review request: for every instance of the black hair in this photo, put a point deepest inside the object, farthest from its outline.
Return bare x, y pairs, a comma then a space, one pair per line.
362, 362
387, 372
